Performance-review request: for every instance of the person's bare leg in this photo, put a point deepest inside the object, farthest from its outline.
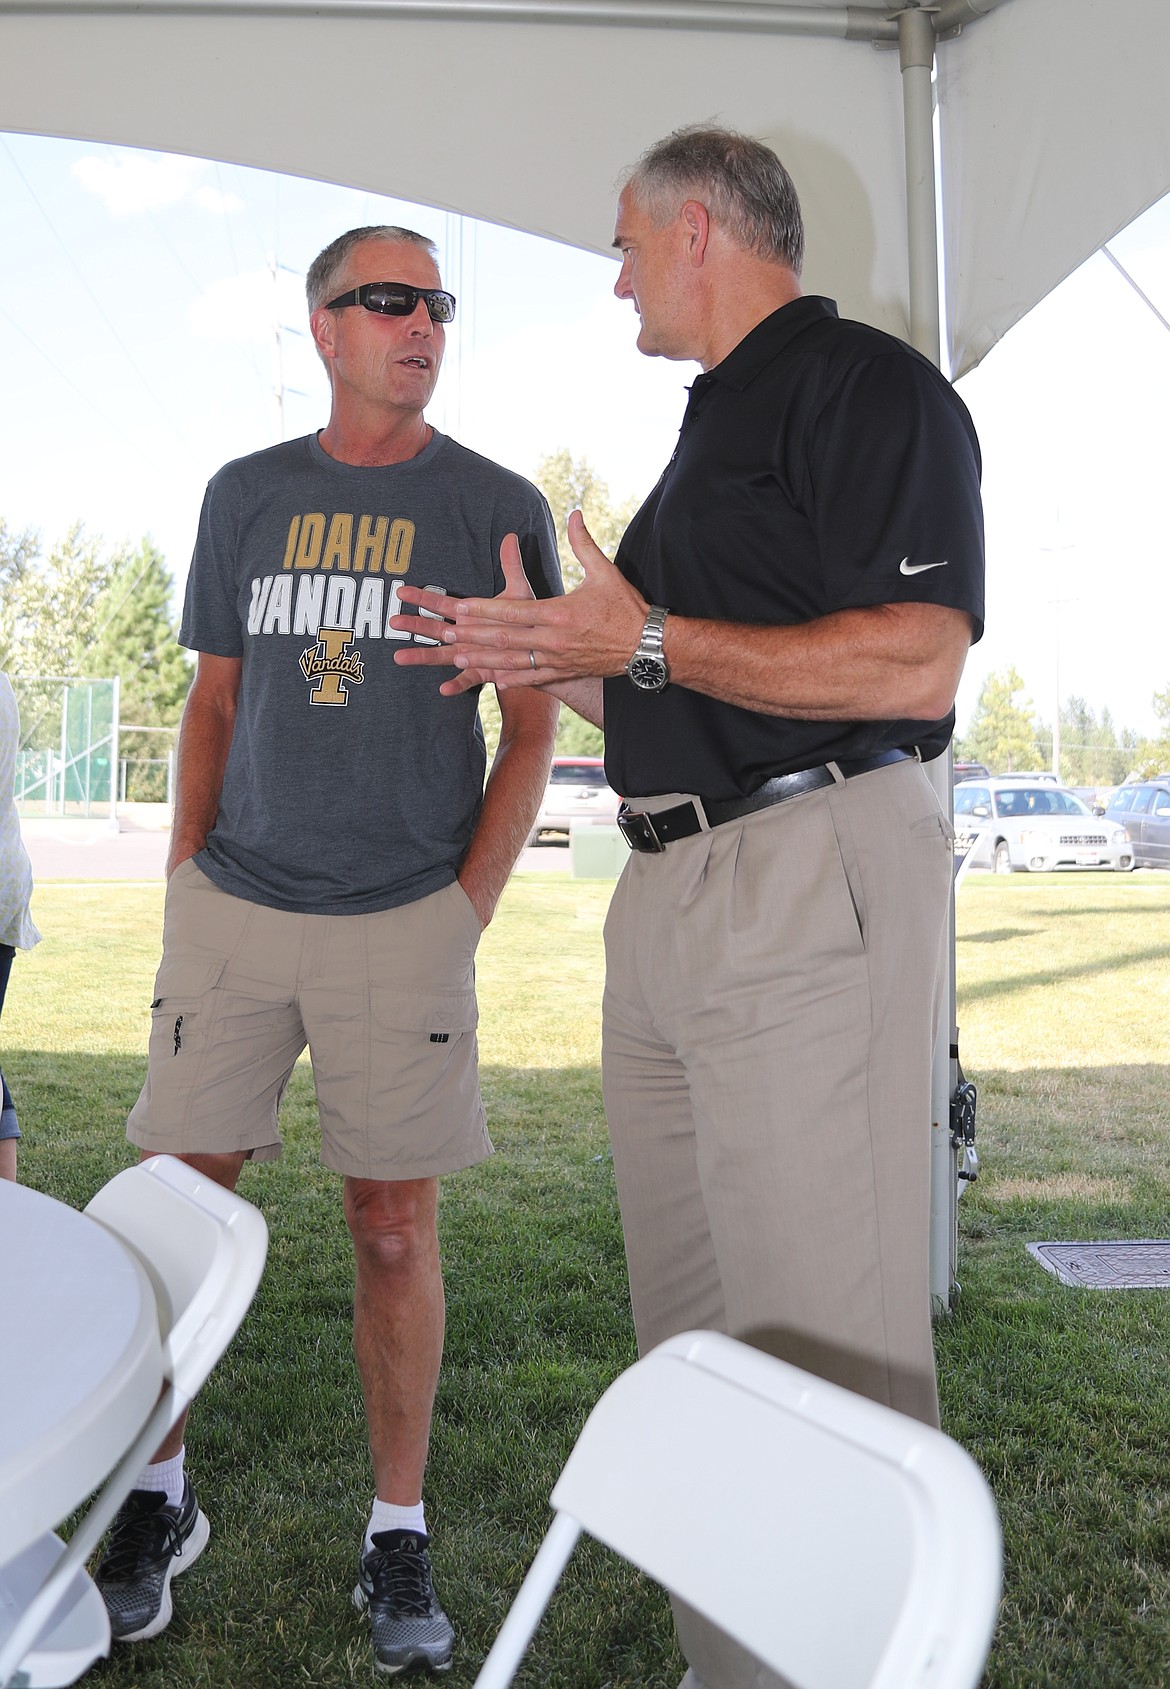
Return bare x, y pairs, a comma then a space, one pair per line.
225, 1170
398, 1324
7, 1158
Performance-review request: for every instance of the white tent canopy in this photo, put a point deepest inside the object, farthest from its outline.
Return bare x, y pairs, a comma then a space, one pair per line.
1055, 128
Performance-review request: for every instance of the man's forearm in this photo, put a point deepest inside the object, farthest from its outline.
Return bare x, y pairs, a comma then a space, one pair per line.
880, 663
890, 662
511, 798
895, 661
584, 697
204, 740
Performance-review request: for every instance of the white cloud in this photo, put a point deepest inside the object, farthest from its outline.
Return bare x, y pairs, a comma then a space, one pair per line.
248, 307
219, 204
580, 384
132, 182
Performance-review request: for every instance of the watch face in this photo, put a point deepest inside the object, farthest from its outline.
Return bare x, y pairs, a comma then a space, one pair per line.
649, 673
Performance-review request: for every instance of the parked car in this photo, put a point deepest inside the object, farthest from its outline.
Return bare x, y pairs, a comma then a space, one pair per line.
577, 790
1142, 807
1013, 827
1098, 798
969, 771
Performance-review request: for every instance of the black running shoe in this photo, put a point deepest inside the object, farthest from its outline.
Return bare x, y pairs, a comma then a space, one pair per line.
409, 1627
150, 1543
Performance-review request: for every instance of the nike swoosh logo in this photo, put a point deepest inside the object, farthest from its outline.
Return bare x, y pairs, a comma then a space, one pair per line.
909, 568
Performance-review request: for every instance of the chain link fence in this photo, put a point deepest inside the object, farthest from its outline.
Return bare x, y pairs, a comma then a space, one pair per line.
68, 757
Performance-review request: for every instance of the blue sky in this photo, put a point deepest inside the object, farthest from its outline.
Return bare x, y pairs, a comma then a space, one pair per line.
139, 313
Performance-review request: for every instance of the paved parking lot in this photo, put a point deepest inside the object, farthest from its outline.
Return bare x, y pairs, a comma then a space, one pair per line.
92, 850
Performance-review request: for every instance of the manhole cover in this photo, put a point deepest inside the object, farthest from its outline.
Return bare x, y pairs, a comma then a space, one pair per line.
1140, 1265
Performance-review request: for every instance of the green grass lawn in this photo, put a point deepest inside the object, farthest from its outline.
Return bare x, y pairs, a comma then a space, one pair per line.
1060, 1394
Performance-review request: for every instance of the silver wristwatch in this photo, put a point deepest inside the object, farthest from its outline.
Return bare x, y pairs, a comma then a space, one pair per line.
647, 667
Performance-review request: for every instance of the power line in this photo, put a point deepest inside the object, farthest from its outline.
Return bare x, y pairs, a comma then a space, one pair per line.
231, 245
164, 237
70, 383
75, 267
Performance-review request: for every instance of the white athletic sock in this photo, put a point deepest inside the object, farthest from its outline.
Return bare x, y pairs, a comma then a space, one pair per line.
388, 1516
164, 1475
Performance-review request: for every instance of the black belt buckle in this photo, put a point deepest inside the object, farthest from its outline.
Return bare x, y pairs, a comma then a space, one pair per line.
638, 830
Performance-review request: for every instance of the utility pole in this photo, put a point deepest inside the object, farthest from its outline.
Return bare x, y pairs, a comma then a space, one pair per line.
1058, 546
1056, 604
1056, 713
280, 329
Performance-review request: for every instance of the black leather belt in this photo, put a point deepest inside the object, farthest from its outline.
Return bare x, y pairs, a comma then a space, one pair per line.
655, 832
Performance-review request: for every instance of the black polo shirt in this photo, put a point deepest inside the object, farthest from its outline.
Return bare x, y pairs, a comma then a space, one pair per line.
821, 466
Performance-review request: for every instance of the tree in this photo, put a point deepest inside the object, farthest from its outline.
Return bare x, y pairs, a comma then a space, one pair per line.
49, 613
86, 612
576, 737
18, 555
1003, 733
136, 639
57, 605
570, 483
1092, 752
1152, 756
1162, 711
489, 718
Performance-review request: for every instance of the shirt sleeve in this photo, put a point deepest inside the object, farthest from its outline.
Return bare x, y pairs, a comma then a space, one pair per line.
536, 531
211, 612
895, 468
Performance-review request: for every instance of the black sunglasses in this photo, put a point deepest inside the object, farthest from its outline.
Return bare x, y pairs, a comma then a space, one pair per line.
397, 299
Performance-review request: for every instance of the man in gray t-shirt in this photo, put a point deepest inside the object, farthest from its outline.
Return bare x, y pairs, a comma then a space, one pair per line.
334, 860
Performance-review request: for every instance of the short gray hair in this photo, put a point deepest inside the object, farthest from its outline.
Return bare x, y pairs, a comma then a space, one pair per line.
328, 265
742, 183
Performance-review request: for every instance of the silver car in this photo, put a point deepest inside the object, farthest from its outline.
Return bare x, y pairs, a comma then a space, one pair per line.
577, 790
1013, 827
1143, 809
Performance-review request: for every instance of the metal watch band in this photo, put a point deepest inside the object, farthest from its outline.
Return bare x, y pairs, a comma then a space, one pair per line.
650, 644
647, 667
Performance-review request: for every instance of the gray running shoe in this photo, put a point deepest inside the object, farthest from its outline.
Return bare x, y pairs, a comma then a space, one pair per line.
408, 1625
150, 1543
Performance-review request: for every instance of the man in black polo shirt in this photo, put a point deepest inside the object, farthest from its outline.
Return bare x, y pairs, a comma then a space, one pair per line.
773, 656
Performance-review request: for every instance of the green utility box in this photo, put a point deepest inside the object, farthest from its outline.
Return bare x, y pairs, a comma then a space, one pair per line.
597, 850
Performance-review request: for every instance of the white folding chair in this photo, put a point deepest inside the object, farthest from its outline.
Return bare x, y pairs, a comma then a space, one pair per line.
203, 1250
867, 1546
77, 1631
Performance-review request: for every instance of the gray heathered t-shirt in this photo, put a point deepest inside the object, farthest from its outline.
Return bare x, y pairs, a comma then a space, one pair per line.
351, 785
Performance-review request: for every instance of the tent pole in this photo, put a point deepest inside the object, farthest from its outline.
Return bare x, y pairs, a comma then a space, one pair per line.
844, 22
916, 53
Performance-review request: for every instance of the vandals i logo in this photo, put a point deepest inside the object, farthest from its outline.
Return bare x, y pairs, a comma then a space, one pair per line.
329, 663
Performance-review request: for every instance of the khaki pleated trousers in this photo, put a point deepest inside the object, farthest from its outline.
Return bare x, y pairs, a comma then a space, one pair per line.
771, 1000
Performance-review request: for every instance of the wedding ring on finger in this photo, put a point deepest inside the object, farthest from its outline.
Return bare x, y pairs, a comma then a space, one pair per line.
532, 659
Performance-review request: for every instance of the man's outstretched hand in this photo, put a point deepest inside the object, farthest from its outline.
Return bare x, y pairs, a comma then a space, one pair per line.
516, 639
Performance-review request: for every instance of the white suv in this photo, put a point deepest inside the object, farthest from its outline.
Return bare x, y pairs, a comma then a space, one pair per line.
577, 790
1011, 827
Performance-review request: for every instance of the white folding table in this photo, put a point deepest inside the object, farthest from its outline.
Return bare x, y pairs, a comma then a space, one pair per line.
80, 1356
81, 1367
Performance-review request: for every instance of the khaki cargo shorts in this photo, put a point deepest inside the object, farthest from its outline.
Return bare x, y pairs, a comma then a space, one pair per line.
385, 1004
